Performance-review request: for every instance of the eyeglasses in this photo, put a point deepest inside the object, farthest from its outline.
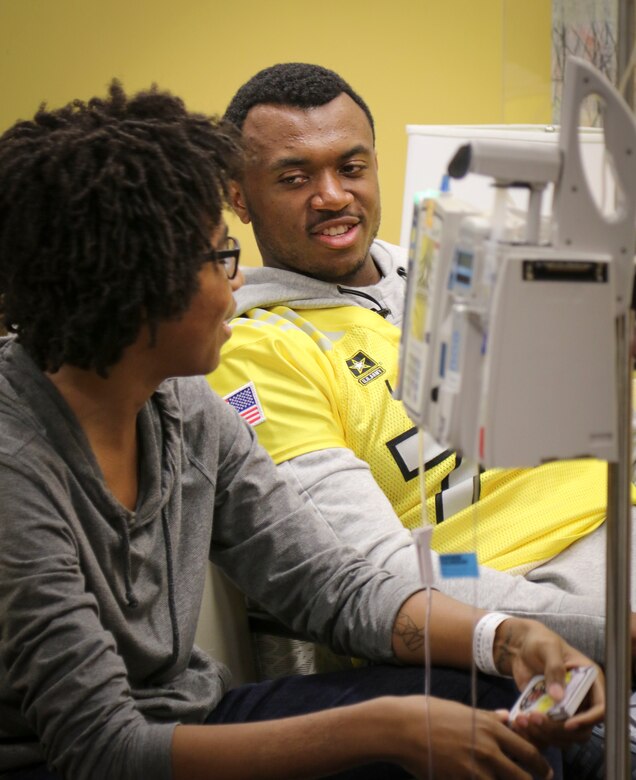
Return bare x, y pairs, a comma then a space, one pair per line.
228, 256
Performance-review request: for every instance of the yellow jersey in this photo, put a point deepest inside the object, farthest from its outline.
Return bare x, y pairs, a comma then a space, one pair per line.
323, 378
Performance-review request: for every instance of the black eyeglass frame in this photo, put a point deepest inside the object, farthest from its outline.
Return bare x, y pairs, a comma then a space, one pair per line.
224, 255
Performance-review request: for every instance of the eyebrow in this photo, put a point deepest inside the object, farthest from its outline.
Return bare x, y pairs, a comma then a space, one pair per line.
293, 162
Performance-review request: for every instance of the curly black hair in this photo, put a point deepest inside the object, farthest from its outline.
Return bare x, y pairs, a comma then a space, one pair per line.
106, 209
297, 84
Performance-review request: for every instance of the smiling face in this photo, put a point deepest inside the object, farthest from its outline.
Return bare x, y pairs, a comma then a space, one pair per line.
310, 189
191, 344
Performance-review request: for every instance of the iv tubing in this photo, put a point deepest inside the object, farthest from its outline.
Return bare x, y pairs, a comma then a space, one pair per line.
429, 607
473, 665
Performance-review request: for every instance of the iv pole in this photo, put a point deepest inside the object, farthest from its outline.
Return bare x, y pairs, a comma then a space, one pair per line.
618, 572
617, 593
618, 575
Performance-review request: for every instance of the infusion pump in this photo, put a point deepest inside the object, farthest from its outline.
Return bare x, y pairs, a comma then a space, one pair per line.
508, 350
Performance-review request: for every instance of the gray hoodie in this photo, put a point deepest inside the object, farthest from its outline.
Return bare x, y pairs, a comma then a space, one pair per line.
99, 605
265, 287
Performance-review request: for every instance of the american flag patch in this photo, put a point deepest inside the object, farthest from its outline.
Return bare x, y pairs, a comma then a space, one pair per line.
245, 401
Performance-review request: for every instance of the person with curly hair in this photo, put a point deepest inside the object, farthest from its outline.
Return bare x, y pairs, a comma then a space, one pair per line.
122, 474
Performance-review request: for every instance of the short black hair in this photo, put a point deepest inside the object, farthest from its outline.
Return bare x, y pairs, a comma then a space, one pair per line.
106, 209
297, 84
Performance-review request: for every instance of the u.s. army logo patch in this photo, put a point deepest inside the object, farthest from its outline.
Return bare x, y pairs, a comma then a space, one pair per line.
363, 368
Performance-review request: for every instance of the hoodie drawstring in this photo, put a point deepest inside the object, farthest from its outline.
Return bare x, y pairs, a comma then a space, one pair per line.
131, 599
381, 310
172, 605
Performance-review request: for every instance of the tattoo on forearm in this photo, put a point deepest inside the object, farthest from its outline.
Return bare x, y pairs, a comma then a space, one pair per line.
504, 652
409, 632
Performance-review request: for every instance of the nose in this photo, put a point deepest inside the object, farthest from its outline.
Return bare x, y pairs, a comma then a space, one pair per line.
238, 281
330, 195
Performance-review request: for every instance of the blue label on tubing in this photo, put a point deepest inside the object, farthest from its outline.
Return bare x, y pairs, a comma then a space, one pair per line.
458, 565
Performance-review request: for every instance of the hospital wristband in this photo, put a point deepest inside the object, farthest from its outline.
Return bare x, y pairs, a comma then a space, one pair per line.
484, 640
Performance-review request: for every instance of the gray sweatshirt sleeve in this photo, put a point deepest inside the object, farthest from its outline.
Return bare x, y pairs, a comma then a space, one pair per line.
54, 648
284, 555
342, 489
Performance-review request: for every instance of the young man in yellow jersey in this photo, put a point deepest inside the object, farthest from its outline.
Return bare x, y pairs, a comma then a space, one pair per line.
313, 361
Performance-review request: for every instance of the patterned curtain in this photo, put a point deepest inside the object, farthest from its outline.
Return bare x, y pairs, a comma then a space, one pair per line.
587, 29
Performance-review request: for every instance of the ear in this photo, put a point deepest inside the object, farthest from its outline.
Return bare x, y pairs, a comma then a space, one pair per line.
375, 154
237, 199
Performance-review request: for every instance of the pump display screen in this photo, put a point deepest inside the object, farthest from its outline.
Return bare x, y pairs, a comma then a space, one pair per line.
464, 259
463, 270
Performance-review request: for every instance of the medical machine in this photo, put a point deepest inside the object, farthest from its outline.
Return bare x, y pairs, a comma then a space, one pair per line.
508, 347
515, 343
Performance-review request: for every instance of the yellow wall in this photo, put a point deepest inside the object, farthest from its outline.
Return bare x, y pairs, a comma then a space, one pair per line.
414, 61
